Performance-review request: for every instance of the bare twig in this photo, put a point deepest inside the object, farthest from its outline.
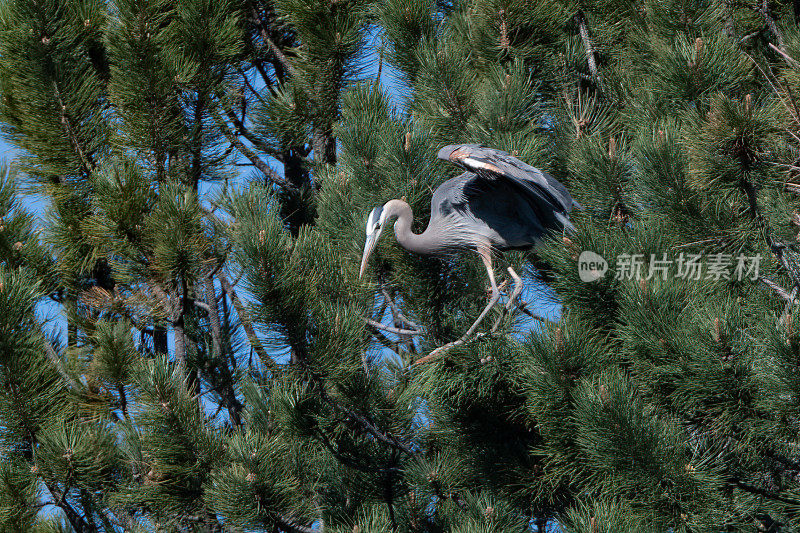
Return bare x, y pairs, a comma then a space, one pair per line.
789, 59
391, 329
397, 312
580, 18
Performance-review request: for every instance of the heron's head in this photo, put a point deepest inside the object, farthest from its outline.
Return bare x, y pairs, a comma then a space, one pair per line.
375, 222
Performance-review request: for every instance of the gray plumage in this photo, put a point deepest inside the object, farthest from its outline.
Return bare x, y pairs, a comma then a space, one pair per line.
498, 203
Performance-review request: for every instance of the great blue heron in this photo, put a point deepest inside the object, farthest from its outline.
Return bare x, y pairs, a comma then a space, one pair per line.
498, 204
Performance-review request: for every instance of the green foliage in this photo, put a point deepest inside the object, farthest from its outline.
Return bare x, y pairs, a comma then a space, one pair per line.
18, 496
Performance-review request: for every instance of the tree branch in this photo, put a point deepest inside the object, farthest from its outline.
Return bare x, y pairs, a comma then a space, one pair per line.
777, 248
246, 323
789, 59
762, 492
277, 52
365, 423
763, 8
88, 164
783, 293
249, 154
580, 18
391, 329
397, 312
290, 526
58, 364
73, 517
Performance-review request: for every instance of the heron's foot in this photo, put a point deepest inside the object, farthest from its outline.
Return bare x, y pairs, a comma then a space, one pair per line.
512, 299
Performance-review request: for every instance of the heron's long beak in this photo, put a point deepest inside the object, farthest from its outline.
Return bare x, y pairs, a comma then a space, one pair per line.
372, 240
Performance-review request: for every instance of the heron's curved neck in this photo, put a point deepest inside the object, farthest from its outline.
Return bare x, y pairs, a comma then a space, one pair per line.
402, 228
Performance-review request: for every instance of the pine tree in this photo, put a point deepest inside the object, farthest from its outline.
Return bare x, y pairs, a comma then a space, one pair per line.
225, 369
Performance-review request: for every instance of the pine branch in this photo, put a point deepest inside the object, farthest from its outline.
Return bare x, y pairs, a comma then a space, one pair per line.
179, 337
789, 59
273, 48
88, 164
385, 341
202, 305
580, 18
391, 329
349, 461
259, 64
762, 492
247, 83
59, 365
364, 422
231, 402
290, 526
123, 400
197, 141
763, 9
249, 154
213, 316
783, 293
324, 146
247, 324
75, 520
777, 248
247, 134
396, 310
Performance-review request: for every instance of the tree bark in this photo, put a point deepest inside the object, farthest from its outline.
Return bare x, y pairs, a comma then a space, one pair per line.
324, 144
160, 345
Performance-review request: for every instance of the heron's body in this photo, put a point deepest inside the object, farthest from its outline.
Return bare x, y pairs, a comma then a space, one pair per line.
499, 203
484, 209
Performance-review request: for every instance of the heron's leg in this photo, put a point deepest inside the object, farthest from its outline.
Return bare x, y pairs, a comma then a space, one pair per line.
487, 261
518, 285
486, 257
511, 299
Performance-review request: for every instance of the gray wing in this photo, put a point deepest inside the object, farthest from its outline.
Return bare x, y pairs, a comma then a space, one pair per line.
473, 210
492, 164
